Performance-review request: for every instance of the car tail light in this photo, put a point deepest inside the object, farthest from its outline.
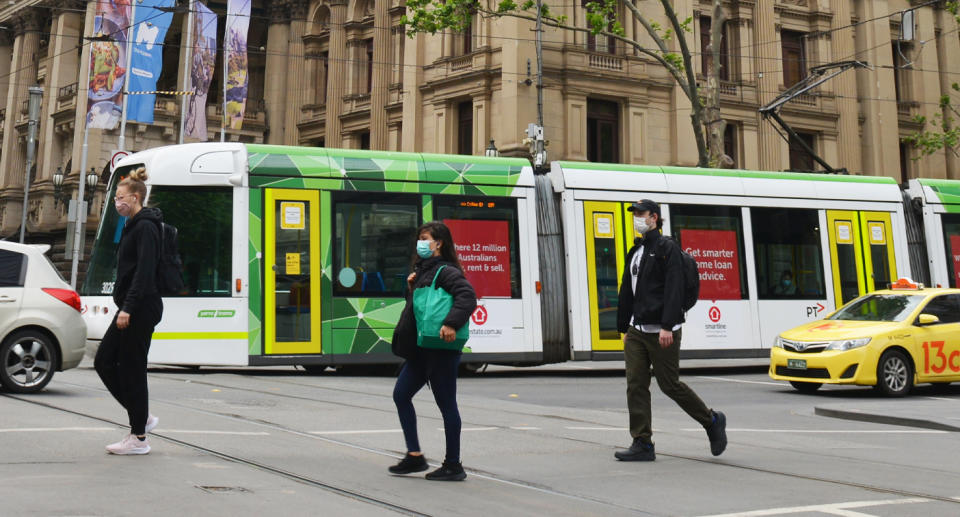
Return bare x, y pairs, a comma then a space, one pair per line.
66, 296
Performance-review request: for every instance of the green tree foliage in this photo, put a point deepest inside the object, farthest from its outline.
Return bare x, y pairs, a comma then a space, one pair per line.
602, 19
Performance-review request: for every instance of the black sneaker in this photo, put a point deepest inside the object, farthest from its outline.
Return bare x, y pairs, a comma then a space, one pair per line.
638, 451
410, 464
717, 432
449, 471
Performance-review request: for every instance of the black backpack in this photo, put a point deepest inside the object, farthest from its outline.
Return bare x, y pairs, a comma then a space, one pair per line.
169, 278
691, 277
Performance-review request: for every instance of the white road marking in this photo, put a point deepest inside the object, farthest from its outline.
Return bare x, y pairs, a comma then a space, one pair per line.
55, 429
940, 398
465, 429
826, 431
582, 428
358, 431
833, 509
524, 428
202, 431
724, 379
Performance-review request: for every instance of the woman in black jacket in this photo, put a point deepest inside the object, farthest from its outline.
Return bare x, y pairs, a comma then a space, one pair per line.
435, 249
121, 359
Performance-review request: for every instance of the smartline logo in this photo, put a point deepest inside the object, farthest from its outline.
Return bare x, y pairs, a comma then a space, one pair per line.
213, 313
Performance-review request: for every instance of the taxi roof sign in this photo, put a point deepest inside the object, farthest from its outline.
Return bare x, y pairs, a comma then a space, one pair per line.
905, 284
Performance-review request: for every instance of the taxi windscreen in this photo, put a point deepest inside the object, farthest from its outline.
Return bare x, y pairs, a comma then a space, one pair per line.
879, 307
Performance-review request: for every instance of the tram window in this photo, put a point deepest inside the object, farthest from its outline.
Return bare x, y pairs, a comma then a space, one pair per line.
373, 243
485, 231
713, 235
787, 253
203, 217
951, 236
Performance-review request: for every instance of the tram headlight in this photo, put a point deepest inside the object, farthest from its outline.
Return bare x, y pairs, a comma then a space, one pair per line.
848, 344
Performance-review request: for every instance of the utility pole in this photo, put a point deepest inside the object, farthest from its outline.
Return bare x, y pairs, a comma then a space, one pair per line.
33, 115
535, 131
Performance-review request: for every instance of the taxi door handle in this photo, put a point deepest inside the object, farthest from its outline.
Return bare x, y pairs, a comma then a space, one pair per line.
7, 299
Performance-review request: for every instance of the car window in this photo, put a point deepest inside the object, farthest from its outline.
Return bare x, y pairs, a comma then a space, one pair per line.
879, 307
13, 268
944, 307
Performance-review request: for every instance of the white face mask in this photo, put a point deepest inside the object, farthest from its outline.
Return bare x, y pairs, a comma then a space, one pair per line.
640, 225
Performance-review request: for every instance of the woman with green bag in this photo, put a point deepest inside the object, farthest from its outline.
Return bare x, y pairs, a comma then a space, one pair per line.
442, 301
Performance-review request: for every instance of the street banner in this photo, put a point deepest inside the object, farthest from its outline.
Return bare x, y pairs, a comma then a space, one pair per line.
201, 70
235, 48
107, 61
150, 29
718, 260
483, 248
955, 254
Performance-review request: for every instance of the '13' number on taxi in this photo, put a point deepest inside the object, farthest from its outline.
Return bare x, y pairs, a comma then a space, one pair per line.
941, 360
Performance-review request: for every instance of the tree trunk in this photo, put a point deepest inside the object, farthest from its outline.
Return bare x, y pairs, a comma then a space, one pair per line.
714, 122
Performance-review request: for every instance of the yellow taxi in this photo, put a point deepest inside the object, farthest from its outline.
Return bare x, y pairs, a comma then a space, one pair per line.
890, 339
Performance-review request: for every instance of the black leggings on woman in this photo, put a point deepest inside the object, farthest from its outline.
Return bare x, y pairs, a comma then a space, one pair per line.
439, 367
121, 363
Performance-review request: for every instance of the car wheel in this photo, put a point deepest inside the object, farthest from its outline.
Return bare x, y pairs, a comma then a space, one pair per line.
894, 374
806, 387
27, 361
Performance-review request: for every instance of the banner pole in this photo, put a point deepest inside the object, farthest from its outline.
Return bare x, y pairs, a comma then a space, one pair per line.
223, 117
186, 72
126, 83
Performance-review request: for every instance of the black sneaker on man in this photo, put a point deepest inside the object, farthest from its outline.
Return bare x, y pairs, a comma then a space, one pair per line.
717, 432
410, 464
638, 451
449, 471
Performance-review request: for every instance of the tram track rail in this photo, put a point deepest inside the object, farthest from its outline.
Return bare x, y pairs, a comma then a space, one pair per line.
478, 473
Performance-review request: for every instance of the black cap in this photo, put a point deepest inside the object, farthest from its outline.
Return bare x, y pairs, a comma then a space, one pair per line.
645, 205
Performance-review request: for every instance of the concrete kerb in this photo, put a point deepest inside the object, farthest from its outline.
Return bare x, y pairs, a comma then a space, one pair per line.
864, 416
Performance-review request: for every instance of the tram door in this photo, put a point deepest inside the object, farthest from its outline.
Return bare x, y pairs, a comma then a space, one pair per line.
291, 276
605, 254
861, 253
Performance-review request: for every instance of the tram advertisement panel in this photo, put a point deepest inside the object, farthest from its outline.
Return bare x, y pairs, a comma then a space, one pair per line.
955, 254
484, 251
717, 259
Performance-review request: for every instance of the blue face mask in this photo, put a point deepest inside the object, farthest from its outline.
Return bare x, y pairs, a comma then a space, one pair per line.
423, 249
786, 283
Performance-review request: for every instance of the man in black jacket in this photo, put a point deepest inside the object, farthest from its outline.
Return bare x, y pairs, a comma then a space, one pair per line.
649, 315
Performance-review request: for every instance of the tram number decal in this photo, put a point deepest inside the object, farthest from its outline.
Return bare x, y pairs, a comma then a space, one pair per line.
940, 360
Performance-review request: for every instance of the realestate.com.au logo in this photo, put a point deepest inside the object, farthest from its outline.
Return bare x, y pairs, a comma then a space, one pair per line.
479, 316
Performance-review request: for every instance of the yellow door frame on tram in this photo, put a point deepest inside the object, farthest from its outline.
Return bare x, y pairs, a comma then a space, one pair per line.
859, 230
311, 200
603, 220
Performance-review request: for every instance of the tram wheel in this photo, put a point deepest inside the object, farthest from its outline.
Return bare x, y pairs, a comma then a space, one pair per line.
314, 369
806, 387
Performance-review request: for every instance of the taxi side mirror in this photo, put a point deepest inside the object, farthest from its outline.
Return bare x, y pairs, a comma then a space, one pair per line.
927, 319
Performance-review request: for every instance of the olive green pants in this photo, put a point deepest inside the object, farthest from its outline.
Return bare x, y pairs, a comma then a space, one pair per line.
641, 350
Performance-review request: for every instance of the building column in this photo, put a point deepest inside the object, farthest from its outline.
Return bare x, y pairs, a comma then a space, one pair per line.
380, 84
881, 143
927, 92
336, 72
845, 88
413, 109
949, 67
275, 87
481, 122
296, 85
23, 74
766, 73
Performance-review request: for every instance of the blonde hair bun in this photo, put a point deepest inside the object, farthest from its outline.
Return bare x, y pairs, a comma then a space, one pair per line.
139, 174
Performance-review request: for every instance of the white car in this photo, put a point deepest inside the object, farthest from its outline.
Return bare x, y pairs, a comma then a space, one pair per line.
41, 329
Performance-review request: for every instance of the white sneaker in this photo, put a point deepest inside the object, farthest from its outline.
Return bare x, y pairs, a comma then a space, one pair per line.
152, 422
129, 445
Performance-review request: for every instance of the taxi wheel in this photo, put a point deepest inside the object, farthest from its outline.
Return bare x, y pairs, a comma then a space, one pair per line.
27, 361
894, 374
806, 387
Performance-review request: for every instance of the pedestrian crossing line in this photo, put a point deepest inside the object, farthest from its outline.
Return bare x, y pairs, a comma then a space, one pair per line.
832, 509
56, 429
202, 431
825, 431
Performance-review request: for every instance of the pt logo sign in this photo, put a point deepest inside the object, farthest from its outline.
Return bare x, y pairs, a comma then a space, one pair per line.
814, 310
479, 316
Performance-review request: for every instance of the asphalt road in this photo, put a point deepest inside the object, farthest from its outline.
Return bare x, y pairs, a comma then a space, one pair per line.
535, 442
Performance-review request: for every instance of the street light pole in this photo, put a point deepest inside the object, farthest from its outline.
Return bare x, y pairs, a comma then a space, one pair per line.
33, 113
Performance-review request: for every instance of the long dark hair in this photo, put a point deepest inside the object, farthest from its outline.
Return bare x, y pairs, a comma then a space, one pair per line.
440, 233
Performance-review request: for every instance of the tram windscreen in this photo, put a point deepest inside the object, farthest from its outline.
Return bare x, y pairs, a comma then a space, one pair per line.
102, 268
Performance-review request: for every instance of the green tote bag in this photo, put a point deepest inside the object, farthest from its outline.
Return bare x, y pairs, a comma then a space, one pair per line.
430, 308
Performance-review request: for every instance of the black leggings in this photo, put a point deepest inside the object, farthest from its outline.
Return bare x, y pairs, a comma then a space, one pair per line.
439, 367
121, 363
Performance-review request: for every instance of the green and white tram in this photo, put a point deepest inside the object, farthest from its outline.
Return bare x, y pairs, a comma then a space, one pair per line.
937, 203
299, 255
833, 237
